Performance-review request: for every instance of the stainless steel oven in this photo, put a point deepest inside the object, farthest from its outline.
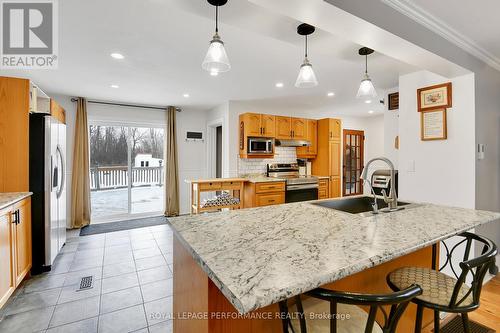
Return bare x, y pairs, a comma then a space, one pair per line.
259, 146
301, 192
298, 188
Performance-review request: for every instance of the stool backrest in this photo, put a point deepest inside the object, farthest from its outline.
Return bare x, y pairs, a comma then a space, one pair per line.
476, 267
397, 300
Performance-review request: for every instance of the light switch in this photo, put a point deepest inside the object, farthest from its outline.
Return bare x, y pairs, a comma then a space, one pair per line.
480, 151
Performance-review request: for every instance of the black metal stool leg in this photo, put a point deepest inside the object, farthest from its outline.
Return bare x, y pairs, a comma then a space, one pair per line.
436, 321
283, 305
465, 322
418, 320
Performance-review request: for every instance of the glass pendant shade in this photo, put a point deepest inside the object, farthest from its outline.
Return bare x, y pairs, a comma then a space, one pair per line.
306, 77
366, 89
216, 60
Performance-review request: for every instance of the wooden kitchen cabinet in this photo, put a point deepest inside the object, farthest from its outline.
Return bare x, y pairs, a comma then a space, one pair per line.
15, 247
7, 282
57, 111
323, 188
328, 158
283, 127
299, 128
312, 136
258, 125
255, 125
14, 134
288, 128
264, 194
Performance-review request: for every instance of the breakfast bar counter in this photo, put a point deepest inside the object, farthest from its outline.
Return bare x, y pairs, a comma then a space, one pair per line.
245, 261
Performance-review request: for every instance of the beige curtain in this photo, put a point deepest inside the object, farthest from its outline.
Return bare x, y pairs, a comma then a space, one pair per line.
171, 172
80, 188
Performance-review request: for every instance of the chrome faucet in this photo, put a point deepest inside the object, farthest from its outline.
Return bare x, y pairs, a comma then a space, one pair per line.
392, 199
375, 203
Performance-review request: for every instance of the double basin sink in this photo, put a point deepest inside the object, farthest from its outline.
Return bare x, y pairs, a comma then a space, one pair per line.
360, 205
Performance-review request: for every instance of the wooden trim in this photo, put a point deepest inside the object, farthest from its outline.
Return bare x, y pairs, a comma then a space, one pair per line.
347, 132
57, 111
445, 126
448, 102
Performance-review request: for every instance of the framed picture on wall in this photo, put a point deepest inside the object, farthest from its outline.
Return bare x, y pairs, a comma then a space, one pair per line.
434, 97
433, 125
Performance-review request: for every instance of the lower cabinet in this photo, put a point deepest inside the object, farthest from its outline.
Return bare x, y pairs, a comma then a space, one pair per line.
324, 188
15, 247
335, 190
264, 194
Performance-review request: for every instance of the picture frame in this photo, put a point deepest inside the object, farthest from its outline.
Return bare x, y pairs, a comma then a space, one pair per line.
434, 97
393, 101
433, 125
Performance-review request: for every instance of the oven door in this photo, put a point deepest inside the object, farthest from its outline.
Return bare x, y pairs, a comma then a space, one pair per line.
260, 146
306, 192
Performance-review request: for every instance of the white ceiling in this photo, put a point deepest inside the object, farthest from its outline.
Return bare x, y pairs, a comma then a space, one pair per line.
164, 43
471, 25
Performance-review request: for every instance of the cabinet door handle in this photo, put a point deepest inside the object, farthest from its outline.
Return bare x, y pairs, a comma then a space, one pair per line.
16, 217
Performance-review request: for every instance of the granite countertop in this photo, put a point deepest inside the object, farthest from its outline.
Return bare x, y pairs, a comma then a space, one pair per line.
261, 178
9, 198
260, 256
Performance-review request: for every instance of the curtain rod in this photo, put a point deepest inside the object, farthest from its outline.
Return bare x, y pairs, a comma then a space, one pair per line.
127, 105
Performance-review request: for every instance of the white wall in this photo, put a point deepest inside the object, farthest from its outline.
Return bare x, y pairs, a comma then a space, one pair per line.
191, 155
442, 171
391, 131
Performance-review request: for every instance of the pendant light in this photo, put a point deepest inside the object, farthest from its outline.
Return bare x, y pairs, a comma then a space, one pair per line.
366, 89
306, 77
216, 60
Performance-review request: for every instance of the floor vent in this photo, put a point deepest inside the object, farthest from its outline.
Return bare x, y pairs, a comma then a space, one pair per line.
86, 283
455, 326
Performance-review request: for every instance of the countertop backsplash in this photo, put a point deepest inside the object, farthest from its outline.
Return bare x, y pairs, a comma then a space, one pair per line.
255, 165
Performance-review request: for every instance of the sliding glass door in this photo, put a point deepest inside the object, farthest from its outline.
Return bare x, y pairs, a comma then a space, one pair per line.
126, 172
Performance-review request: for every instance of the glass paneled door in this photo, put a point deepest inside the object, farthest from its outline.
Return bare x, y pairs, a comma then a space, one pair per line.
126, 172
353, 162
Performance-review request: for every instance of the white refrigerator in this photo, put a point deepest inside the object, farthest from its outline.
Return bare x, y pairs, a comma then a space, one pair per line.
48, 184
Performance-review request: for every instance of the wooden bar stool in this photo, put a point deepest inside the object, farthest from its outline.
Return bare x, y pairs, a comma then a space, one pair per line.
326, 305
445, 293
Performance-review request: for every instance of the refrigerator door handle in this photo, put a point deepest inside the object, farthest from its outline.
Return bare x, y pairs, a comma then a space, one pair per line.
63, 177
54, 177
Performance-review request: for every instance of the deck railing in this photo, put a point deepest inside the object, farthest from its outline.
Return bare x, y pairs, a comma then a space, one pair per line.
105, 178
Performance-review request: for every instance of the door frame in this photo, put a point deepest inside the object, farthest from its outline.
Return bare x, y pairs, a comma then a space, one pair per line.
346, 132
212, 147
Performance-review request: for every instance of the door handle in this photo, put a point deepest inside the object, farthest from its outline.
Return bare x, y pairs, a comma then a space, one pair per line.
16, 219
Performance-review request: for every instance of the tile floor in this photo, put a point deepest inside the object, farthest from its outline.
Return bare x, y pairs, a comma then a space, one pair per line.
132, 292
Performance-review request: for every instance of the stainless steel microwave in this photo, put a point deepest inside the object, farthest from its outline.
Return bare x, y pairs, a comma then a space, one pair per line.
260, 146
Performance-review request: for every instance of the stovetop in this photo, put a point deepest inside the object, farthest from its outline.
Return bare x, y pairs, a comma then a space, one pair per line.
289, 172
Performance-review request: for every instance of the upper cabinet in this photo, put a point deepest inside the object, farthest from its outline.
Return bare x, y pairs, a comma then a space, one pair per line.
57, 111
258, 125
334, 129
283, 127
268, 124
291, 128
312, 136
278, 127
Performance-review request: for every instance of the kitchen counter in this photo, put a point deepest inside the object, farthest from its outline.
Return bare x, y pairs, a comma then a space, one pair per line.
260, 256
10, 198
261, 178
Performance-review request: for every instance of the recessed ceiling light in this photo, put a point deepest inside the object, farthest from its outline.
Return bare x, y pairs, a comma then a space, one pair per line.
279, 85
117, 55
186, 95
368, 101
115, 86
330, 94
370, 112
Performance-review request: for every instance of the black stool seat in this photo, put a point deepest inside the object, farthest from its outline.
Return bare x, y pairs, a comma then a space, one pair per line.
437, 287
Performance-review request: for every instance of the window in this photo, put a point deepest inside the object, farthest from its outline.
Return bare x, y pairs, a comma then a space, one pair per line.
122, 183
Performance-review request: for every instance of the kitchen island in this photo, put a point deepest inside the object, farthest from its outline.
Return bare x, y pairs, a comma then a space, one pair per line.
231, 268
